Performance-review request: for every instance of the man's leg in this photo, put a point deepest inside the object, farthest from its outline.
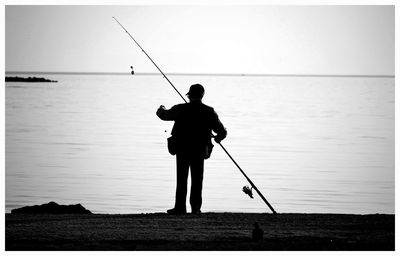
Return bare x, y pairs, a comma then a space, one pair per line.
182, 169
196, 171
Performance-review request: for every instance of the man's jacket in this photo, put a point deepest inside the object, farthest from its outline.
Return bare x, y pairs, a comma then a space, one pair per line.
194, 123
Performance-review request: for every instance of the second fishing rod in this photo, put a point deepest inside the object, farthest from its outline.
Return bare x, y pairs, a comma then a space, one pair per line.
245, 189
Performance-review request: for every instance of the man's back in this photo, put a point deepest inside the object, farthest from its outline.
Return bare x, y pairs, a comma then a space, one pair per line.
194, 123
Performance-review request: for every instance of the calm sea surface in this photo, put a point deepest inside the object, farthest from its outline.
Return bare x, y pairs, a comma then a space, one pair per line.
310, 144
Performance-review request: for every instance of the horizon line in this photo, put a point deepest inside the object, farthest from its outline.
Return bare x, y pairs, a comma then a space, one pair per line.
198, 74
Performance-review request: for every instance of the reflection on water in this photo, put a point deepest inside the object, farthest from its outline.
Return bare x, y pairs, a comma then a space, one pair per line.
309, 144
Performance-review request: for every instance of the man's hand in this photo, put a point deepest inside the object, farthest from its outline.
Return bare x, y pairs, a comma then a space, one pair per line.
160, 110
218, 139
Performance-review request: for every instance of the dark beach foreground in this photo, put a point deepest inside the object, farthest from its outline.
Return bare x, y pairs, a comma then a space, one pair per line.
208, 231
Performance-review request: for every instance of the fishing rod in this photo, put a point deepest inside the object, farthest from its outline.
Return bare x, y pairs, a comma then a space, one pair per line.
245, 189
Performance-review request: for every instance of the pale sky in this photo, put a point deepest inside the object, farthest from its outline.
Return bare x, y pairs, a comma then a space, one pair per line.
202, 39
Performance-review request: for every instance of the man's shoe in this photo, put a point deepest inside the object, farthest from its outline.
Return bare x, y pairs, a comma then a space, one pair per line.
175, 211
197, 212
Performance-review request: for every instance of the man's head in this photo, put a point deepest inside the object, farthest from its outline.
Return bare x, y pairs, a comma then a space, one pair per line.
196, 91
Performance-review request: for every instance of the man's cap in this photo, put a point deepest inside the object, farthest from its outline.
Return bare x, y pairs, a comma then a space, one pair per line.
196, 90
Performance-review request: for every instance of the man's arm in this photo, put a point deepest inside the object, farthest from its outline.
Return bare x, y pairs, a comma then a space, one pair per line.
167, 114
218, 128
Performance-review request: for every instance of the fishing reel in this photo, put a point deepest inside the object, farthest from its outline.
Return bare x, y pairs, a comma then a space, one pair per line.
248, 191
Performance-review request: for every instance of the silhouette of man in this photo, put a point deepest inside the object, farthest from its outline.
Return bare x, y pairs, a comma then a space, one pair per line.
192, 130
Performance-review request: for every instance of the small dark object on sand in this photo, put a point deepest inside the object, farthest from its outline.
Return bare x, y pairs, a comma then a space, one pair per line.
258, 233
53, 208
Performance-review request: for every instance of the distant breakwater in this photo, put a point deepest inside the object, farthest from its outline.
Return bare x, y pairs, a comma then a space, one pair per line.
29, 79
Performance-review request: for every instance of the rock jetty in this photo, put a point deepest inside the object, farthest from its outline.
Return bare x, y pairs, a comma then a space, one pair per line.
29, 79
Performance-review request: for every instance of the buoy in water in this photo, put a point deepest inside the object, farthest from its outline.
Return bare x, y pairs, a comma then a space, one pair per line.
132, 72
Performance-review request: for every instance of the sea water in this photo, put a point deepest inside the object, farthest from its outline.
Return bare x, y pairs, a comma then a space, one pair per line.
310, 144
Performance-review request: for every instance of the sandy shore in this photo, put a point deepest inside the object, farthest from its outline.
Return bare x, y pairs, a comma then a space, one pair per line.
209, 231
